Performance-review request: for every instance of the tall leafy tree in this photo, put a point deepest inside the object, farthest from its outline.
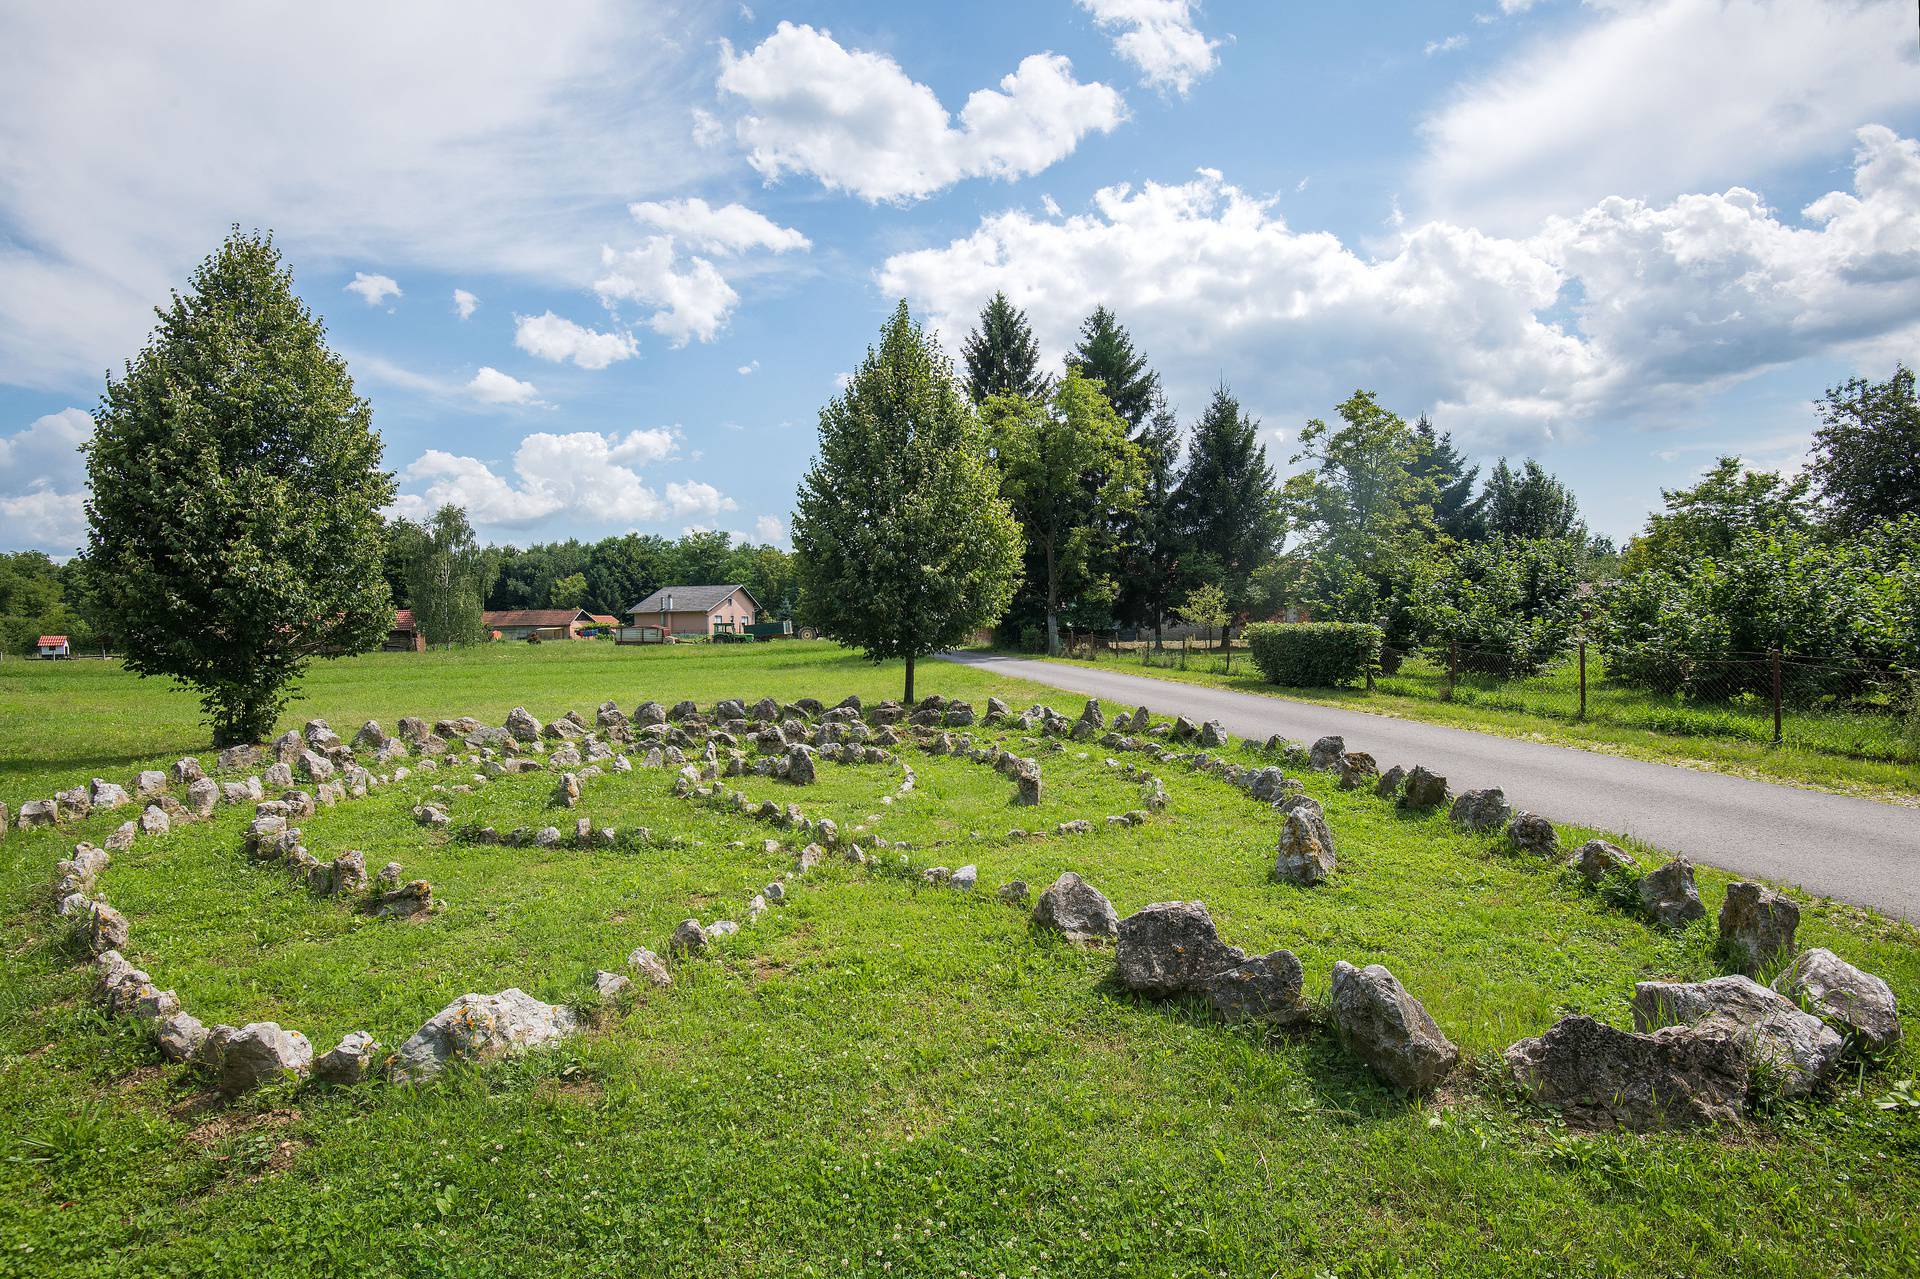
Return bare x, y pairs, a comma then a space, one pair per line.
1705, 520
569, 591
448, 578
233, 517
1228, 502
1866, 454
622, 571
1001, 355
702, 558
903, 543
1152, 542
1529, 502
1105, 354
1456, 510
1067, 468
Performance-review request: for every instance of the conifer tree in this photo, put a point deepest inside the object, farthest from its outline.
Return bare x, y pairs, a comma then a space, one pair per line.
1151, 576
1456, 511
902, 542
1228, 501
1106, 355
234, 529
1001, 355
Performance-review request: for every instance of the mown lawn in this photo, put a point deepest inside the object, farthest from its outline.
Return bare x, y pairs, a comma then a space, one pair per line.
1873, 755
879, 1078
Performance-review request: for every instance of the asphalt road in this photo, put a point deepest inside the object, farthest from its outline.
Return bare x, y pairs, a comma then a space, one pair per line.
1858, 850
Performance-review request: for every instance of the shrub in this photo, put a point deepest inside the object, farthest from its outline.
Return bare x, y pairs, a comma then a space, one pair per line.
1508, 602
1314, 654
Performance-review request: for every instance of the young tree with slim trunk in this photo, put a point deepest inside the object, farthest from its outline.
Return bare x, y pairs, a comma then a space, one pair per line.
1001, 356
234, 530
448, 578
901, 540
1066, 468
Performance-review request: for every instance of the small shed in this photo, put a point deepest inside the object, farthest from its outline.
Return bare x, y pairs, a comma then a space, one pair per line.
404, 636
697, 610
538, 623
52, 646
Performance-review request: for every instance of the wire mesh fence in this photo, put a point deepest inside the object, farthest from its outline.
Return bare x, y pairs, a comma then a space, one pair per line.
1838, 706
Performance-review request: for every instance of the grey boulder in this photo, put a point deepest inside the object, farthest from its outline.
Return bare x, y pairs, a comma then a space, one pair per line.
1669, 895
1601, 1077
1757, 923
257, 1053
480, 1027
1263, 988
1843, 994
1481, 810
1078, 910
348, 1061
1796, 1048
1169, 947
1596, 859
1305, 851
1388, 1028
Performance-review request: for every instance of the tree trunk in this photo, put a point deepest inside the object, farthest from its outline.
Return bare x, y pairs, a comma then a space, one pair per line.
1053, 604
909, 693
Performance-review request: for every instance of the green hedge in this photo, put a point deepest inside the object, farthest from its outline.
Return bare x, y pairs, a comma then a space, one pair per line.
1314, 654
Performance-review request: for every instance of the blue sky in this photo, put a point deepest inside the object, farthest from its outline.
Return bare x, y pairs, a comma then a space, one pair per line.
1623, 236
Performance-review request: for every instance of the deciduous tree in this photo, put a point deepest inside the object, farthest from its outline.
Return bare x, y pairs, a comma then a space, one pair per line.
234, 529
903, 543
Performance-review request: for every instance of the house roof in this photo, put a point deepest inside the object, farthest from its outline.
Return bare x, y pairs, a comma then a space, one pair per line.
536, 617
691, 599
603, 619
50, 641
402, 619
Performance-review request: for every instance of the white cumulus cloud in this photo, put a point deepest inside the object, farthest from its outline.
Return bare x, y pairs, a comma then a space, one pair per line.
43, 479
464, 304
554, 338
1159, 37
1501, 338
691, 297
857, 122
491, 386
770, 530
373, 289
731, 228
582, 476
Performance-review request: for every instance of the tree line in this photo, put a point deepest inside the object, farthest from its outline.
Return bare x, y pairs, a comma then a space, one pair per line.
440, 570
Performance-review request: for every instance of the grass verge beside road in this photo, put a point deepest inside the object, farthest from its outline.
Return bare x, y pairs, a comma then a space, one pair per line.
879, 1078
1409, 697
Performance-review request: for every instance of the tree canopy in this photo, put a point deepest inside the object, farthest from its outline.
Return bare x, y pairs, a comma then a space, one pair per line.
1228, 504
1105, 354
1001, 355
903, 543
234, 529
1866, 453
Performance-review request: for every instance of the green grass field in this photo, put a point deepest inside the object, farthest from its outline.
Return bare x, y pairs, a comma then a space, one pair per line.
880, 1078
1874, 755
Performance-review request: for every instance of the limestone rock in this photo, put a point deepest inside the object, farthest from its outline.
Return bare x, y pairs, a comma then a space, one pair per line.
1357, 769
348, 1061
1388, 787
522, 726
1481, 810
688, 938
1263, 988
1600, 1077
649, 967
1305, 852
149, 782
800, 764
480, 1027
257, 1053
1596, 859
105, 794
1169, 947
406, 901
1795, 1047
1534, 834
1213, 733
1326, 753
186, 770
106, 928
1858, 1001
1077, 909
180, 1036
609, 985
1669, 895
1758, 923
1423, 789
1388, 1028
965, 878
202, 795
1014, 892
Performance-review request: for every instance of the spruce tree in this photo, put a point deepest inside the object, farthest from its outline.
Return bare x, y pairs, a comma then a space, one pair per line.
1106, 355
1228, 501
1456, 511
1150, 575
903, 544
234, 529
1001, 355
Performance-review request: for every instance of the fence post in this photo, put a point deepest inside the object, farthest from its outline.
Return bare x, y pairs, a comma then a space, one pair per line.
1773, 659
1583, 679
1183, 652
1226, 637
1453, 667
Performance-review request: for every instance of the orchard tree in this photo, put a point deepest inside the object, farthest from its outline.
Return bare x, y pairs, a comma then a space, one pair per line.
902, 542
448, 578
1001, 356
1067, 469
234, 530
